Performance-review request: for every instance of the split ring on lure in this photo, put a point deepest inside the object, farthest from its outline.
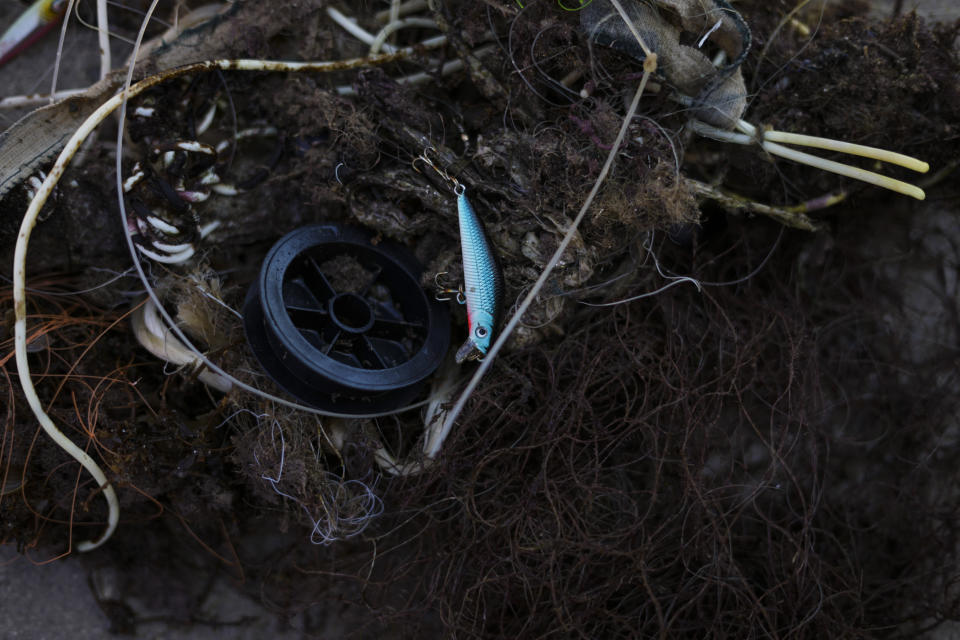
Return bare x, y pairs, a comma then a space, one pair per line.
482, 277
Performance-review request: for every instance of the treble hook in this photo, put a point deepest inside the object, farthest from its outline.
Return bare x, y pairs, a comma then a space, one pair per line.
423, 157
443, 290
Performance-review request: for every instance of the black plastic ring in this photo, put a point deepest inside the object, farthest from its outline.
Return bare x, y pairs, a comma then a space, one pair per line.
343, 324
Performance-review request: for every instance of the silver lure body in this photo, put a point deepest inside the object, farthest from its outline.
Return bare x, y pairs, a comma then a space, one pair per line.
482, 281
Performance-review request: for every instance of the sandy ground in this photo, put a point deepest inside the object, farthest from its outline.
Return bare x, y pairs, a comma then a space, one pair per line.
932, 9
56, 600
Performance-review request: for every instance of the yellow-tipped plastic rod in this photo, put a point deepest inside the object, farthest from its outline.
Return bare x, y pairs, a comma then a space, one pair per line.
845, 170
847, 147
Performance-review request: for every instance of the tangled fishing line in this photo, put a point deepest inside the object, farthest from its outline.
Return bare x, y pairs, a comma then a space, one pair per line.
741, 457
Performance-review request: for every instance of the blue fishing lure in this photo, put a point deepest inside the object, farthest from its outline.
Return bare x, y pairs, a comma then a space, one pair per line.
482, 289
482, 281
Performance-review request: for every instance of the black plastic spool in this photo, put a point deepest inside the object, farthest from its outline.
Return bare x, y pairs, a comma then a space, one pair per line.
366, 348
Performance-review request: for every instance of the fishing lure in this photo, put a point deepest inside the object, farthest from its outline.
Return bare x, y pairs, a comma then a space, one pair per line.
30, 26
482, 289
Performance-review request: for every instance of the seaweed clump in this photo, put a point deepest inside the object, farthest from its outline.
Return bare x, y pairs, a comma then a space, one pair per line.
888, 84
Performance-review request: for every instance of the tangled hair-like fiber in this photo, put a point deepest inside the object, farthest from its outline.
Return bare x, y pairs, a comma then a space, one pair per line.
766, 459
679, 467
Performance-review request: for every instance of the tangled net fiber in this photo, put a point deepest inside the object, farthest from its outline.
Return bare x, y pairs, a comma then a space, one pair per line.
689, 465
